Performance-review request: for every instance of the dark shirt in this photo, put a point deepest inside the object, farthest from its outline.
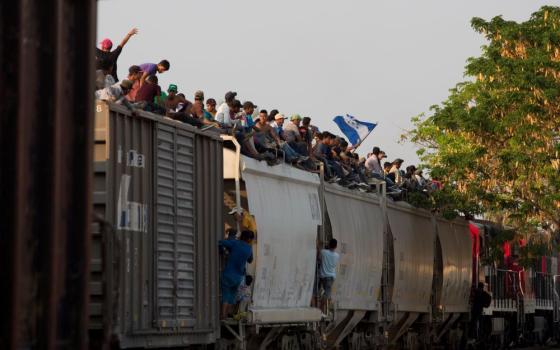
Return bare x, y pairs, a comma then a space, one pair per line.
111, 56
481, 300
147, 92
323, 151
305, 133
240, 253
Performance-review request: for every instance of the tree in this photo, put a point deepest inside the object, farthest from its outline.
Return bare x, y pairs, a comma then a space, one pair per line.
495, 141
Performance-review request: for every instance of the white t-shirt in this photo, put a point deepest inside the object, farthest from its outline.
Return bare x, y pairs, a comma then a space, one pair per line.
372, 164
222, 114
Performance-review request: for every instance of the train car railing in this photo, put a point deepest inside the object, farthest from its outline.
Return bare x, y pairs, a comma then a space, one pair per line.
543, 287
505, 287
556, 294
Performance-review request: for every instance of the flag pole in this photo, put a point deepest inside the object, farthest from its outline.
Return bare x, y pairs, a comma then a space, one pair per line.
354, 148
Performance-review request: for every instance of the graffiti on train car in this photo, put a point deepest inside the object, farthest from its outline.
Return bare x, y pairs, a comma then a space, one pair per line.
132, 216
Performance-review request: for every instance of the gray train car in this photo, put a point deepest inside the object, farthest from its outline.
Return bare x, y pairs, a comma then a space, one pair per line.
404, 276
158, 194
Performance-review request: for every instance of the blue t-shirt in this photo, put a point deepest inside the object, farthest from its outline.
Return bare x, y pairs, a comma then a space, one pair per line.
207, 115
239, 254
329, 260
323, 151
250, 121
278, 129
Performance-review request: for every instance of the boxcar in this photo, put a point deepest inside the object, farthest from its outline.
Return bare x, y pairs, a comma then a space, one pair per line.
158, 193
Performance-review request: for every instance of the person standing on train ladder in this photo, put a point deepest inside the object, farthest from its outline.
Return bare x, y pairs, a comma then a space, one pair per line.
240, 253
327, 271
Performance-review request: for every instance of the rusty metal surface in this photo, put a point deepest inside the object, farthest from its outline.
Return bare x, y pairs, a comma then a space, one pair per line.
154, 276
209, 199
46, 118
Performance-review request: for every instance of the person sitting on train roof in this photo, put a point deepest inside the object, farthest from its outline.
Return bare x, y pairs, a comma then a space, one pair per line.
197, 109
244, 119
116, 93
240, 253
321, 151
268, 142
373, 163
223, 115
198, 112
147, 94
134, 75
174, 99
243, 129
293, 137
327, 271
152, 68
105, 53
327, 152
179, 108
210, 111
278, 124
306, 133
420, 178
271, 115
395, 173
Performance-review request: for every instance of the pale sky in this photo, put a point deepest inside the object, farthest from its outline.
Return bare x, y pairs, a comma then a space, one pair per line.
380, 61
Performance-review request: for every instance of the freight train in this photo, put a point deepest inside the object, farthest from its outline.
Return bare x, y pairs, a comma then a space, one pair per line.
162, 193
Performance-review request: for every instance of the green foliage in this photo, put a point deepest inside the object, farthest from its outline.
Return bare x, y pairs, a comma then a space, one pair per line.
494, 143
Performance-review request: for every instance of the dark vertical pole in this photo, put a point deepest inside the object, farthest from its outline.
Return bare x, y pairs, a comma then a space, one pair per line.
46, 125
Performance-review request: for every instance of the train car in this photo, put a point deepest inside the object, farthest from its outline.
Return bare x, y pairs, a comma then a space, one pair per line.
158, 201
404, 276
284, 202
525, 300
162, 194
426, 282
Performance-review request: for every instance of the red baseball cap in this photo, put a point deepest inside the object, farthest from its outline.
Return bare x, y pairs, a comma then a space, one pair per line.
106, 44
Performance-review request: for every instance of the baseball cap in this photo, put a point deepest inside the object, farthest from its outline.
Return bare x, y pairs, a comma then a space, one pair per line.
199, 95
295, 117
127, 84
106, 44
279, 116
172, 87
230, 95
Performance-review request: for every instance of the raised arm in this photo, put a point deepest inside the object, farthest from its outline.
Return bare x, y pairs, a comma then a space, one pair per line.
128, 36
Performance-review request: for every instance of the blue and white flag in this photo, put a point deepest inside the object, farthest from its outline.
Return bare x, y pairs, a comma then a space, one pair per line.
355, 130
